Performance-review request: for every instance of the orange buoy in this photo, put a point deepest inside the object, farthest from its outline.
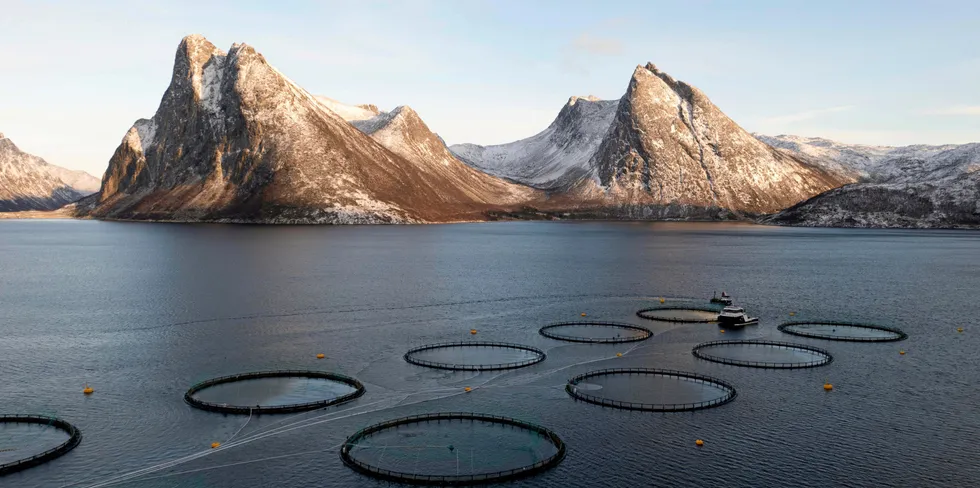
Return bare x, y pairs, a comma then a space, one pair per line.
467, 389
215, 445
901, 352
583, 314
828, 386
959, 329
473, 331
619, 354
320, 356
662, 299
88, 390
722, 331
699, 442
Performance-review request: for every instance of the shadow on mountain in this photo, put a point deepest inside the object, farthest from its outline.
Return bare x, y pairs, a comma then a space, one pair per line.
58, 198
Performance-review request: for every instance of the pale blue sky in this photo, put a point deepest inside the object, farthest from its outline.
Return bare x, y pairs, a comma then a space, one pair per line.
76, 75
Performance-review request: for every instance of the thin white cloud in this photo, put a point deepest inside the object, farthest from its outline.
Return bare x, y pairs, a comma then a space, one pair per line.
587, 43
807, 115
958, 110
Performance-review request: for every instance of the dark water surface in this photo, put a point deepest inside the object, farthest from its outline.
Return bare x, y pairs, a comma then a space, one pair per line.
143, 311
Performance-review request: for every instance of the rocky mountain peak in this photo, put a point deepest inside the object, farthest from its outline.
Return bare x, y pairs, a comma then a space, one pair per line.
669, 145
370, 107
235, 139
575, 99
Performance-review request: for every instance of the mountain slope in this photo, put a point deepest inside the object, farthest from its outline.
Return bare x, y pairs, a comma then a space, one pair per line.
27, 182
668, 144
913, 186
235, 140
553, 158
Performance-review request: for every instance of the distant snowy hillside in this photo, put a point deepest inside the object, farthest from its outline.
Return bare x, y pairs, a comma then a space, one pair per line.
27, 182
910, 186
553, 158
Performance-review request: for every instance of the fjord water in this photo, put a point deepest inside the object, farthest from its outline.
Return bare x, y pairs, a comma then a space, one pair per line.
142, 311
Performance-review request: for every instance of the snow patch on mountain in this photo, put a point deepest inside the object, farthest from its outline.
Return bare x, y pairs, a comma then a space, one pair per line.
349, 113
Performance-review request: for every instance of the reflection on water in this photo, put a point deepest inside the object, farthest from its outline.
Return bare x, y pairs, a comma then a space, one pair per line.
475, 355
652, 389
20, 441
450, 448
274, 391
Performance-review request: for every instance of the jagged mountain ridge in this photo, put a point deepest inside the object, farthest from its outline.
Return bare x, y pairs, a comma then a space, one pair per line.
912, 186
235, 140
403, 132
28, 182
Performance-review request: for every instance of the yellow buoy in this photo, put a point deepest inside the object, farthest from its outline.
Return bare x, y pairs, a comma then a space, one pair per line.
722, 331
662, 299
791, 314
583, 314
320, 356
619, 354
828, 386
215, 445
901, 352
959, 329
473, 331
88, 390
699, 442
467, 389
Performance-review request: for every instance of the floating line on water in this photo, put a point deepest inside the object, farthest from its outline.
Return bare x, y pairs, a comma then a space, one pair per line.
309, 422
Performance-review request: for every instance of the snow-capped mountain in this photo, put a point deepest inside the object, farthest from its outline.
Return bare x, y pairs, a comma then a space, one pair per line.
27, 182
662, 151
554, 158
910, 186
235, 140
670, 144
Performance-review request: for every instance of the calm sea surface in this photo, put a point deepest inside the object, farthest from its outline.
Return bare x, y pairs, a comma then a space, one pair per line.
142, 311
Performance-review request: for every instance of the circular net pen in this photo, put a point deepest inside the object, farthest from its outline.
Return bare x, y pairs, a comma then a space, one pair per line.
596, 332
763, 354
689, 314
279, 391
843, 331
9, 463
452, 449
475, 356
649, 389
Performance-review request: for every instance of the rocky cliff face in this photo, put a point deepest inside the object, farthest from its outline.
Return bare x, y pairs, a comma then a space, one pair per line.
235, 140
27, 182
668, 144
913, 186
